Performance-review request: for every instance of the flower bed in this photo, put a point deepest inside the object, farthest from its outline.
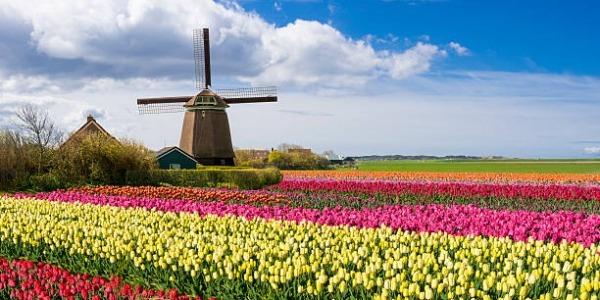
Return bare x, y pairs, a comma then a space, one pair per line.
445, 176
455, 219
283, 259
24, 279
306, 239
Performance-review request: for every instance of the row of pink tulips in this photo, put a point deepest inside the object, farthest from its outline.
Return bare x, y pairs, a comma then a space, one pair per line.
454, 189
22, 279
455, 219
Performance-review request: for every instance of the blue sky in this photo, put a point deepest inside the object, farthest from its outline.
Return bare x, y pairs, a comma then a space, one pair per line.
532, 36
510, 78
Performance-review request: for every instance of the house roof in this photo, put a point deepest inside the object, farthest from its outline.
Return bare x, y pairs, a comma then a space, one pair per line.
166, 150
333, 157
90, 127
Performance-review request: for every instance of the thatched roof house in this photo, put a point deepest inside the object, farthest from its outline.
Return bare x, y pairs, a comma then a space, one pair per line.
90, 127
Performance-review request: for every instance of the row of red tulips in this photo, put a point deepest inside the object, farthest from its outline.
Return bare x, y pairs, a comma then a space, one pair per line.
194, 194
452, 219
22, 279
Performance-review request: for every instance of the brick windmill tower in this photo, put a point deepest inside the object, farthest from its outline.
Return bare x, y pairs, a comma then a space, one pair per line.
205, 133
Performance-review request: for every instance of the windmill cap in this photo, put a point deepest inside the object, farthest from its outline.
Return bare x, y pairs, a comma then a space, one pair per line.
206, 94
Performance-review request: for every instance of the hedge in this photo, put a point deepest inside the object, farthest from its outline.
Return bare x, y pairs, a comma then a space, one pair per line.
209, 177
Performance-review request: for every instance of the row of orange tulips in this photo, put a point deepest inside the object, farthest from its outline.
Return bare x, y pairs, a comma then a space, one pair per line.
445, 176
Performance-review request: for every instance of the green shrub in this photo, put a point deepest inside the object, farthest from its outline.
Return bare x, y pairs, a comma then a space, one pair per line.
243, 178
45, 182
101, 159
183, 177
16, 163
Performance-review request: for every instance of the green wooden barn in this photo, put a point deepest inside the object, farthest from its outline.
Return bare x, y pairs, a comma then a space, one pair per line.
174, 158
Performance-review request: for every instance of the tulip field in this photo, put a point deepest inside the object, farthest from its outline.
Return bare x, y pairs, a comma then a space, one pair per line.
315, 235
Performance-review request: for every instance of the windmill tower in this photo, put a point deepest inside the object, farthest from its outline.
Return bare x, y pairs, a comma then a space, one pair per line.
205, 133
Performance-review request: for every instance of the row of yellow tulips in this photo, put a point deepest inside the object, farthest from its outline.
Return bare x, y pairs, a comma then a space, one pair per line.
300, 258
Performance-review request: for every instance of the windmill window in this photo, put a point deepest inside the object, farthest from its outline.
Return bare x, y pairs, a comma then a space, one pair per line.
206, 100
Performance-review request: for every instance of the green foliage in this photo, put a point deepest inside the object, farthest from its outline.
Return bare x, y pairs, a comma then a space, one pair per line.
16, 163
243, 178
101, 159
254, 178
29, 159
46, 182
245, 158
286, 160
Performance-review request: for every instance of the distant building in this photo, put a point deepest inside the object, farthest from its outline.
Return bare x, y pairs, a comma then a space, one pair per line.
334, 159
254, 154
174, 158
90, 127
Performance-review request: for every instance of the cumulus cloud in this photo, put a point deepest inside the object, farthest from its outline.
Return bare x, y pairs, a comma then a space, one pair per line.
124, 39
413, 61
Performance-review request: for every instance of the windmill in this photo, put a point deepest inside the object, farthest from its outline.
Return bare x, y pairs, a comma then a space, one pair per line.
205, 133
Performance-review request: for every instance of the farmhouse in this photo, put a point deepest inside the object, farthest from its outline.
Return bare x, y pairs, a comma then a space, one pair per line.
90, 127
174, 158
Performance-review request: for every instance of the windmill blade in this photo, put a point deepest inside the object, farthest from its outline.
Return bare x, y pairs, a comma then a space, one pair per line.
202, 58
148, 106
249, 95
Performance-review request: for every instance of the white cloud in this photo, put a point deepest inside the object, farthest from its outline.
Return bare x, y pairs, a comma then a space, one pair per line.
413, 61
591, 150
18, 83
146, 38
307, 53
474, 113
459, 49
99, 56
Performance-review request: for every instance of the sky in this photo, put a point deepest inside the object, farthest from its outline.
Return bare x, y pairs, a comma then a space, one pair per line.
381, 77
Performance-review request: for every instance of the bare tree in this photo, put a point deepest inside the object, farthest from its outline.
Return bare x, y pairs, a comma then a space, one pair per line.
39, 130
328, 152
286, 147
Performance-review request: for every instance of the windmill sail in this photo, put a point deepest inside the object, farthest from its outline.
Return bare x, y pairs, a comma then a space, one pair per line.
249, 95
205, 132
202, 58
149, 106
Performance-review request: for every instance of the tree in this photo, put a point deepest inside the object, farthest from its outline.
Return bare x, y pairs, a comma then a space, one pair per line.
40, 131
101, 159
328, 152
279, 159
286, 147
246, 158
16, 164
288, 157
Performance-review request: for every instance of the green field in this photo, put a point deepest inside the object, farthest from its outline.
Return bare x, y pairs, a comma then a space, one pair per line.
495, 166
